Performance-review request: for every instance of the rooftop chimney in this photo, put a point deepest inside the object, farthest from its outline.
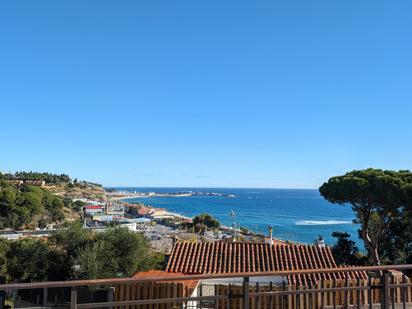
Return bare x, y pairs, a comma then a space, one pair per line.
320, 242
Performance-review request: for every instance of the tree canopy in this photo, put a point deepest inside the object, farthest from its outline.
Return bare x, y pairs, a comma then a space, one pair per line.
345, 250
205, 221
77, 253
30, 260
377, 198
47, 177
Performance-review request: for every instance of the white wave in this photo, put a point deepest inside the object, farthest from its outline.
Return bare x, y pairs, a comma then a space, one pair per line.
322, 222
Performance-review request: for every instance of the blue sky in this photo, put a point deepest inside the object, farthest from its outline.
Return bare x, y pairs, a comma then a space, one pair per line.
278, 94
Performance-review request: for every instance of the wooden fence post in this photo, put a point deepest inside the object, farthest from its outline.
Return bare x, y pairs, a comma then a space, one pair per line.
45, 296
2, 293
229, 298
110, 296
385, 291
73, 298
245, 292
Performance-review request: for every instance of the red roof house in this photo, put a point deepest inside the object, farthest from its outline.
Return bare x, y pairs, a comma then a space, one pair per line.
93, 209
189, 285
232, 257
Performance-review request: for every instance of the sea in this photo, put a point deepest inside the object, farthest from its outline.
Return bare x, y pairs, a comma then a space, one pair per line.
298, 215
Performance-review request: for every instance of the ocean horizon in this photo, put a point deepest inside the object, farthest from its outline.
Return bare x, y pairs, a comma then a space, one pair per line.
298, 215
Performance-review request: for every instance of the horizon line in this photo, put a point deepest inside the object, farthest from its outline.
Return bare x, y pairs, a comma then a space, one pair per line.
201, 187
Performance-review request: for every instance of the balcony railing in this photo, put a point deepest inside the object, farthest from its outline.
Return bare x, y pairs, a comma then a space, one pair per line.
241, 290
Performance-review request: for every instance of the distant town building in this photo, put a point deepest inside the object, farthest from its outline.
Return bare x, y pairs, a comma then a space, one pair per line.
19, 182
39, 183
15, 182
89, 202
92, 210
100, 217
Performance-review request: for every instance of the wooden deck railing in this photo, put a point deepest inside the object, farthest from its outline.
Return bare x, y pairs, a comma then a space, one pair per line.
384, 290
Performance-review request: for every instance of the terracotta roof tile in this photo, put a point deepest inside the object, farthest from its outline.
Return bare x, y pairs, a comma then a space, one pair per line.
224, 257
161, 274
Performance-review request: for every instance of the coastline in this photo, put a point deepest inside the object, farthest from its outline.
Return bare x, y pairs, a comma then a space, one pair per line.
299, 216
222, 228
169, 213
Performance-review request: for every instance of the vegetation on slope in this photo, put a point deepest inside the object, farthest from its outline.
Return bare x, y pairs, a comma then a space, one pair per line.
29, 206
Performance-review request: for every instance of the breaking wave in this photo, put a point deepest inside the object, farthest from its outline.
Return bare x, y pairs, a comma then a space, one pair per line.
322, 222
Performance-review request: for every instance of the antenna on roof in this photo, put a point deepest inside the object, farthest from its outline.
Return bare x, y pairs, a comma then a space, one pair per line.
235, 224
270, 228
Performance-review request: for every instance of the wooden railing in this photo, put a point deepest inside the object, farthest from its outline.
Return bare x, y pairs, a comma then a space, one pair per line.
381, 289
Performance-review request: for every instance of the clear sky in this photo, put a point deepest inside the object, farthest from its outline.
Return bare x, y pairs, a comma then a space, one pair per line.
218, 93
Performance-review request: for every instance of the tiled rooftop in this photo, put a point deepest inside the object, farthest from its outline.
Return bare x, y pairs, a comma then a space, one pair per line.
190, 285
93, 207
224, 257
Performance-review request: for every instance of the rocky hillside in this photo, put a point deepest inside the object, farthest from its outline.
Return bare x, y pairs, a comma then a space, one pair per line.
82, 189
